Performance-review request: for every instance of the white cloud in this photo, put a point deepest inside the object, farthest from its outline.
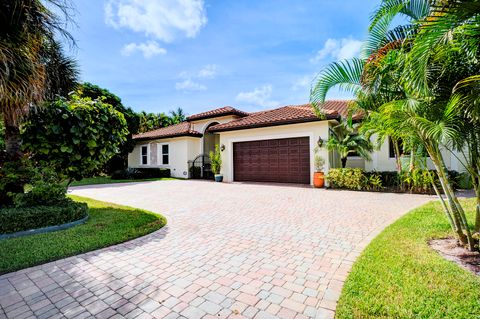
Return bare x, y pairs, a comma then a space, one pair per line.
148, 49
260, 96
338, 49
189, 85
303, 82
164, 20
208, 71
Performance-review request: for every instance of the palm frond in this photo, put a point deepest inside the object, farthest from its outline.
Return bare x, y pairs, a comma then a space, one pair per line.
345, 75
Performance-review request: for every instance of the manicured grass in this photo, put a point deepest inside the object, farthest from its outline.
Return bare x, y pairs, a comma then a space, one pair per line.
108, 224
400, 276
107, 180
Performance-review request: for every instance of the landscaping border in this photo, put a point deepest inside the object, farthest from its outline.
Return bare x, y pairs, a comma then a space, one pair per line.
43, 230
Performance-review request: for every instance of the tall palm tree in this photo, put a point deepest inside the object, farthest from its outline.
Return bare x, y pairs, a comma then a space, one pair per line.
32, 64
346, 141
177, 116
405, 78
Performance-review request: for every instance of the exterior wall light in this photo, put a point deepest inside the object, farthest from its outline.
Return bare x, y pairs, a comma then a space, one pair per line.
222, 147
320, 142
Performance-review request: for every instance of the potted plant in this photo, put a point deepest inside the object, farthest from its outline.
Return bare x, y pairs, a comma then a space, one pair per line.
318, 175
216, 162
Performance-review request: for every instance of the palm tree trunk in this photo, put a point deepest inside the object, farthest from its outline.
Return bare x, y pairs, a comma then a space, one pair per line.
461, 229
13, 139
396, 150
444, 205
412, 161
344, 162
477, 212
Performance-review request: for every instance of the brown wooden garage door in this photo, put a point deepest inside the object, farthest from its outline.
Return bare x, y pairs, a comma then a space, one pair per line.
282, 161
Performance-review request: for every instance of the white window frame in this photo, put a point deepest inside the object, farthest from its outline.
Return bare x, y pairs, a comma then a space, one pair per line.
160, 154
148, 154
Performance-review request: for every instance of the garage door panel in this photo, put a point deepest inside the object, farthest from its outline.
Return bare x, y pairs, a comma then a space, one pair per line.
280, 160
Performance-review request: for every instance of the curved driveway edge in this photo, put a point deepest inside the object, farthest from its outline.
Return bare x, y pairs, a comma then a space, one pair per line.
228, 251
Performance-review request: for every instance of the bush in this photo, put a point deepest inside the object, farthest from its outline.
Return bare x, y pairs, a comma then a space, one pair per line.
465, 181
23, 184
347, 178
41, 194
25, 218
417, 181
141, 173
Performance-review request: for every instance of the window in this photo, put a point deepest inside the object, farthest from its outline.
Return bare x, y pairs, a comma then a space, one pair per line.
144, 156
391, 148
164, 154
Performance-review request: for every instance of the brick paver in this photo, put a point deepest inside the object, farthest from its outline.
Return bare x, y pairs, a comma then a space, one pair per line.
228, 251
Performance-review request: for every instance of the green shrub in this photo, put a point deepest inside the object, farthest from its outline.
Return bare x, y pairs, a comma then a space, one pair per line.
141, 173
415, 181
26, 218
216, 160
40, 194
347, 178
23, 184
465, 181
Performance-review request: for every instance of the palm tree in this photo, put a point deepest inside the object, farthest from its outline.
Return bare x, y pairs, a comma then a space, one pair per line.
177, 116
346, 141
404, 82
32, 64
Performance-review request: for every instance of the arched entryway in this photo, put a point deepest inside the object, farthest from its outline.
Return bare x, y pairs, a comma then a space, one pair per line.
210, 140
200, 166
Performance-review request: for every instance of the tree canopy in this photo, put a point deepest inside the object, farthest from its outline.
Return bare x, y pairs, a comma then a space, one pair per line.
76, 136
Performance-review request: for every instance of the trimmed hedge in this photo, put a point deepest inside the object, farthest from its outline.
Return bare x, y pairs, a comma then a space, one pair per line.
141, 173
17, 219
417, 182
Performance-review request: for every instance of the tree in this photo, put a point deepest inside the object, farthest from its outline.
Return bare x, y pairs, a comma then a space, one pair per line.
119, 161
152, 121
347, 141
76, 136
405, 79
177, 116
28, 52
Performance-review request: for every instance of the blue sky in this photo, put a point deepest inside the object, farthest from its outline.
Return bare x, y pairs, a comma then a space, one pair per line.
158, 55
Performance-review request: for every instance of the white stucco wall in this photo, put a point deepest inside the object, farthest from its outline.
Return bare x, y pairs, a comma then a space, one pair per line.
313, 130
381, 160
181, 150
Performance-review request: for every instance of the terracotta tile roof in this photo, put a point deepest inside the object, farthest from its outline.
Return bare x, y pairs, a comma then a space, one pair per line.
181, 129
284, 115
226, 110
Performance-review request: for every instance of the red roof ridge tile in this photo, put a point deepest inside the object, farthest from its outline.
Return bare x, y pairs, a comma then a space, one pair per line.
222, 111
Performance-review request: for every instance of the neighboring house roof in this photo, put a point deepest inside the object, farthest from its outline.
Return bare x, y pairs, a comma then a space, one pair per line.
284, 115
181, 129
223, 111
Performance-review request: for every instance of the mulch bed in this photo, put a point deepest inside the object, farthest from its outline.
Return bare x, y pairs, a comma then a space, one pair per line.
450, 250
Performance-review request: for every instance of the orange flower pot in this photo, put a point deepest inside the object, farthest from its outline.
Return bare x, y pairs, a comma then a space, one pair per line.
318, 179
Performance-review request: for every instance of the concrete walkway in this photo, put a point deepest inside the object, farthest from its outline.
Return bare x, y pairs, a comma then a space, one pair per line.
228, 251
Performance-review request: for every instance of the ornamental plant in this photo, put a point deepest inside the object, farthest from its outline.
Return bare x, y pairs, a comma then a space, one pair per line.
318, 161
216, 160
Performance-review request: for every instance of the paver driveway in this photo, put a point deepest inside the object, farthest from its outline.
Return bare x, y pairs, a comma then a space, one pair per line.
229, 250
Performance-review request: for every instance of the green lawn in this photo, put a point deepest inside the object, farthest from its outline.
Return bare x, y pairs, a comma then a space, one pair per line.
107, 180
400, 276
108, 224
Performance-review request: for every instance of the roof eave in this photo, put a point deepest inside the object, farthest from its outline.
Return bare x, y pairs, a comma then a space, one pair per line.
167, 136
280, 123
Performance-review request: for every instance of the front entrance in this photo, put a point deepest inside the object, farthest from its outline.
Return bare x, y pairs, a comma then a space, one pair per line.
280, 160
201, 167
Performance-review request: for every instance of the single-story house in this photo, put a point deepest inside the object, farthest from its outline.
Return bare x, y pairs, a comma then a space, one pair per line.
274, 145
